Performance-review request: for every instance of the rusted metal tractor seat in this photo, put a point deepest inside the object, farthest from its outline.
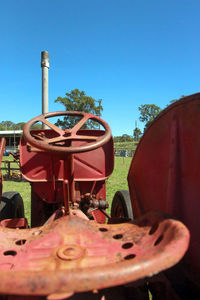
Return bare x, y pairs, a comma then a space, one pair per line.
72, 254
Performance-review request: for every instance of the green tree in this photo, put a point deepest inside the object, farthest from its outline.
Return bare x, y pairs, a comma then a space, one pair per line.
148, 112
78, 101
7, 125
20, 125
36, 127
137, 133
125, 138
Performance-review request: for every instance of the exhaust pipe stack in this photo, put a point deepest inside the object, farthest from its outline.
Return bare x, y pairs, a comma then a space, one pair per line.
45, 70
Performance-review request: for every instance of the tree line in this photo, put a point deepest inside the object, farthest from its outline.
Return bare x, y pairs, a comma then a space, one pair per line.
77, 100
9, 125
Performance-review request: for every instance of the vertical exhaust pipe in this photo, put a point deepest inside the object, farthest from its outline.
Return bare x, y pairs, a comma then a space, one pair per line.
45, 71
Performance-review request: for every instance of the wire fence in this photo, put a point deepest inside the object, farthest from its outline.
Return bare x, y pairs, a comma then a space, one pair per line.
122, 152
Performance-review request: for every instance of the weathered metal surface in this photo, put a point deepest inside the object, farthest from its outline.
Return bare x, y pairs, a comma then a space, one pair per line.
74, 255
39, 166
45, 85
98, 216
2, 148
62, 141
165, 173
55, 178
14, 223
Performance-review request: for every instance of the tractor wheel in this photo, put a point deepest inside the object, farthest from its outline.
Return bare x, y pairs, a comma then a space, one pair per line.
11, 206
121, 205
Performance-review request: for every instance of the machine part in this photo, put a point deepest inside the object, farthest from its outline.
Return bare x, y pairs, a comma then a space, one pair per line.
66, 136
2, 149
99, 204
89, 201
11, 206
44, 169
164, 173
85, 203
75, 255
97, 215
121, 205
45, 85
94, 208
70, 252
21, 223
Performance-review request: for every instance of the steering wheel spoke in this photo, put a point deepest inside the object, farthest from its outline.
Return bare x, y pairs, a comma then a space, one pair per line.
39, 136
85, 137
58, 139
78, 126
53, 126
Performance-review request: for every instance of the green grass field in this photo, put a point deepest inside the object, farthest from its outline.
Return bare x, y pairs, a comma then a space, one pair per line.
117, 181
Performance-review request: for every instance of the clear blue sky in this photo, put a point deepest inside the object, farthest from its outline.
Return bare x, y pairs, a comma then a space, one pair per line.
125, 52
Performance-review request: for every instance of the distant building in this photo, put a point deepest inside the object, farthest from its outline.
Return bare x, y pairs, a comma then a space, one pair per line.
12, 139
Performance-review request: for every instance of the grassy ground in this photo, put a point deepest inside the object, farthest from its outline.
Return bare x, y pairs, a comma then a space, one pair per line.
118, 179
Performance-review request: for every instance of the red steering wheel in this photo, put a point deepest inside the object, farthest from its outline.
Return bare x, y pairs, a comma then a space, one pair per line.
66, 136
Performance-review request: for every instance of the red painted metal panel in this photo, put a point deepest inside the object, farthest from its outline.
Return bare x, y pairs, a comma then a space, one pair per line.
93, 165
165, 171
2, 149
14, 223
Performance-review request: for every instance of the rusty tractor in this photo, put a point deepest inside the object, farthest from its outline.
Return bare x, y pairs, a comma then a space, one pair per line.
73, 248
